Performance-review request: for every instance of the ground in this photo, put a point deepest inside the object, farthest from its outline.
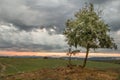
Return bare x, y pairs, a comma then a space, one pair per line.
56, 69
66, 73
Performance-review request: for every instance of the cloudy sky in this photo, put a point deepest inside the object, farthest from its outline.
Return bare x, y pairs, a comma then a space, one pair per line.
37, 25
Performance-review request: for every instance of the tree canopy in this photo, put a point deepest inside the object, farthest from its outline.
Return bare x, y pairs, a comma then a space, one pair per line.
88, 30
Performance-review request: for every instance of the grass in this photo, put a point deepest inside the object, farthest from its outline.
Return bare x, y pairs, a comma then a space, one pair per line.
19, 65
65, 73
55, 69
110, 61
16, 65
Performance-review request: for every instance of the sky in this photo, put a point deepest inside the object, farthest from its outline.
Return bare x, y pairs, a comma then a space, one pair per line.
37, 25
57, 54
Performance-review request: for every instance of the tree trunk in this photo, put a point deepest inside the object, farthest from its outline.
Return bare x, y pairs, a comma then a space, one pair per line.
85, 60
70, 59
69, 53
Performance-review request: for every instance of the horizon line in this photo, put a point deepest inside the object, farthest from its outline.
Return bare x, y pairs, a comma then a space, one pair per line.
60, 54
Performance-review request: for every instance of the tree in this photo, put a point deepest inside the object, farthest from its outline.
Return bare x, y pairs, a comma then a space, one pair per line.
70, 53
88, 30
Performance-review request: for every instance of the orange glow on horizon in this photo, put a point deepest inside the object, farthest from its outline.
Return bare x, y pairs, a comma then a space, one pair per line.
56, 54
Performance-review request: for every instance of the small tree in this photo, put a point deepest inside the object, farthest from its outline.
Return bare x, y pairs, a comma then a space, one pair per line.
70, 53
88, 30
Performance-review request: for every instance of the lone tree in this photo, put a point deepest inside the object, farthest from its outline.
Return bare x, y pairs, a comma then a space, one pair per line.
88, 30
70, 53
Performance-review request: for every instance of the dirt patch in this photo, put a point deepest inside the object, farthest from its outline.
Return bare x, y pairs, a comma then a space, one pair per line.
65, 73
2, 69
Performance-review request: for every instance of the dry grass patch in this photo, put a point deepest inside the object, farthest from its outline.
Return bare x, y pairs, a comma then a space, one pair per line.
65, 73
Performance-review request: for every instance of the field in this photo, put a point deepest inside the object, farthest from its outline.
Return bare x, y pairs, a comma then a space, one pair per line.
14, 66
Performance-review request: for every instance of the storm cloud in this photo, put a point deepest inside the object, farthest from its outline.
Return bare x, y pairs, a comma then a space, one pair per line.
36, 40
38, 24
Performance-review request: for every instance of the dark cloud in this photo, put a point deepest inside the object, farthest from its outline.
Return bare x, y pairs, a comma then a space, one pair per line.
110, 12
38, 24
115, 26
22, 26
100, 1
28, 14
11, 38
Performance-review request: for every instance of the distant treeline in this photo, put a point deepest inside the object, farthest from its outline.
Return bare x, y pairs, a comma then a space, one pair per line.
109, 59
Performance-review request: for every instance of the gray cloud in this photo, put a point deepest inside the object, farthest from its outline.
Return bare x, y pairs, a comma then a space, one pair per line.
100, 1
21, 22
27, 14
12, 38
17, 12
110, 13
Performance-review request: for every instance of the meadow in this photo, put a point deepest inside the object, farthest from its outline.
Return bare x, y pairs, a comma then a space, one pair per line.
13, 66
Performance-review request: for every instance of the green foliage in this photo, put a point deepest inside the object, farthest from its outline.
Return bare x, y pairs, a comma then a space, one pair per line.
87, 29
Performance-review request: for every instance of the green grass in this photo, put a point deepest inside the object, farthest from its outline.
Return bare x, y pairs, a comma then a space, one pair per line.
110, 61
18, 65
